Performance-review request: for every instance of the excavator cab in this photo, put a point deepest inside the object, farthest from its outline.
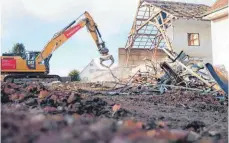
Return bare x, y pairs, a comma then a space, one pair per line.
31, 59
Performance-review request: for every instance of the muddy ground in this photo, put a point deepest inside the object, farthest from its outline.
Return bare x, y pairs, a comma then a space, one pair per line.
77, 112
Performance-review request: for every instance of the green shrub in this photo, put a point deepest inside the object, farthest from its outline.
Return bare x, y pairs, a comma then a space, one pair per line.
18, 48
74, 74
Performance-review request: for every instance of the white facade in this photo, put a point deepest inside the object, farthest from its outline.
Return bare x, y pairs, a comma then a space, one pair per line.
220, 37
178, 35
88, 71
94, 72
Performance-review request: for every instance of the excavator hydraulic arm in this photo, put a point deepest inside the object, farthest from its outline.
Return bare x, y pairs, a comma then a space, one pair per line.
62, 36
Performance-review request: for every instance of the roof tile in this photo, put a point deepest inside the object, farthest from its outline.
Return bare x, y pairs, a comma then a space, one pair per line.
180, 9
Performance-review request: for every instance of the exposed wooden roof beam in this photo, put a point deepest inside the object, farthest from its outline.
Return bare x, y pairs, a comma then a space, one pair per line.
148, 20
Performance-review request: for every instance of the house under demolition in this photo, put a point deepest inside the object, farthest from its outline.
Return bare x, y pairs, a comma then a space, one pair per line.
160, 25
169, 43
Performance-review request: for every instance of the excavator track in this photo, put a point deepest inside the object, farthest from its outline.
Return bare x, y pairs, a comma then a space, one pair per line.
30, 77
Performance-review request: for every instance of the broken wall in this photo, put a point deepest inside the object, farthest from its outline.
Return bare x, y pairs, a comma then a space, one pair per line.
138, 55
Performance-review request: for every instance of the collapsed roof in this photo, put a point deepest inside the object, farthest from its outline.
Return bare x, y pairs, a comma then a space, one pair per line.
152, 15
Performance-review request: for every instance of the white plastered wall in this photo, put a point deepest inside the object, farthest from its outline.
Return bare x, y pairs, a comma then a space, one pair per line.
178, 34
220, 42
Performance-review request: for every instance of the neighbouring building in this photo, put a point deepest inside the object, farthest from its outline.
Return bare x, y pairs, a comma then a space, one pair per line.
218, 14
94, 72
181, 23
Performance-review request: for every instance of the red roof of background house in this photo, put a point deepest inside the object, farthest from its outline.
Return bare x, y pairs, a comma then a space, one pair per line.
218, 5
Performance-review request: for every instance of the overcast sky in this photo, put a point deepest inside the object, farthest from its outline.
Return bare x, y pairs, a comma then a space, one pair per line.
34, 22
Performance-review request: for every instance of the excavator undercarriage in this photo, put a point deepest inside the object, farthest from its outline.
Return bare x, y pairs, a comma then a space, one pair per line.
31, 77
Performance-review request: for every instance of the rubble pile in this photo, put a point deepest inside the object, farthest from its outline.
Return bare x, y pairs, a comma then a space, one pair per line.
38, 96
64, 113
178, 71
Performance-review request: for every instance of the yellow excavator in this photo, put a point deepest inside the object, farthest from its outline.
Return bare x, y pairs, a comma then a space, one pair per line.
36, 64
